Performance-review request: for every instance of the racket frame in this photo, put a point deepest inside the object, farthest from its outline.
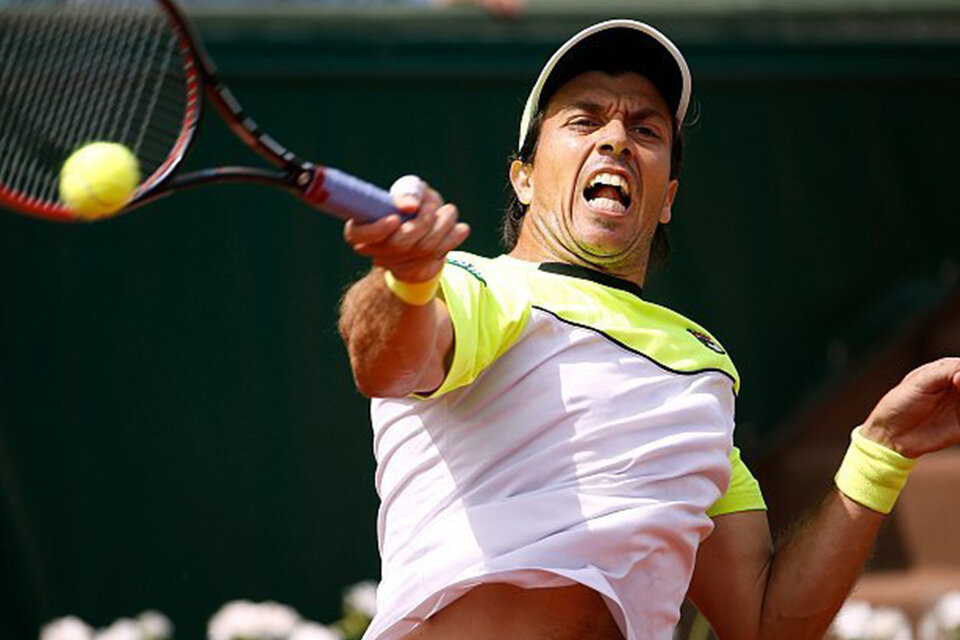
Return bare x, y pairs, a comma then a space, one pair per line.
331, 190
296, 174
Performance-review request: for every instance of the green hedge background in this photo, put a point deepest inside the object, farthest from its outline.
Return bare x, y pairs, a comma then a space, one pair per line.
178, 426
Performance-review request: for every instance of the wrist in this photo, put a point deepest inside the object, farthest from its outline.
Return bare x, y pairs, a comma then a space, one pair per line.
417, 294
872, 474
876, 430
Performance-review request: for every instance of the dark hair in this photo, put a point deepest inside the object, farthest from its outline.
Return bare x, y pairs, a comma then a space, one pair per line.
516, 211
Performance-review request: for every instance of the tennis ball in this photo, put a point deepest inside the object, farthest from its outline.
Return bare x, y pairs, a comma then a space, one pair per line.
99, 179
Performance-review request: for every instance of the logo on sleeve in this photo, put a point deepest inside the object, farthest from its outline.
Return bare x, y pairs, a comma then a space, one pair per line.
707, 341
469, 268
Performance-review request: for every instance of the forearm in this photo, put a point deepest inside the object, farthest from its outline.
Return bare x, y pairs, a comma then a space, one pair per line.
812, 572
392, 344
748, 591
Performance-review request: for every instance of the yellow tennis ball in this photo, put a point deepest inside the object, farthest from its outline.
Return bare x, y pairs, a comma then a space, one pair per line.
99, 179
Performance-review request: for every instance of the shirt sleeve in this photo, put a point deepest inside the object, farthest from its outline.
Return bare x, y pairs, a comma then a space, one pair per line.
489, 310
743, 494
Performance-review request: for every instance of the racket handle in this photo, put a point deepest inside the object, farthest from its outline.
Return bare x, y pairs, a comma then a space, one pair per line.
347, 197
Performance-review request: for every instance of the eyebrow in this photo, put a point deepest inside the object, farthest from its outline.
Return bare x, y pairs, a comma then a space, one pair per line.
595, 108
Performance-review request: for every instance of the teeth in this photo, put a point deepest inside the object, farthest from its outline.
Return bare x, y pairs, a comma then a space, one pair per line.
606, 204
613, 180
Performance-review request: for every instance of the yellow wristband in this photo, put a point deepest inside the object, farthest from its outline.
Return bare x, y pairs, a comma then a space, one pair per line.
414, 293
871, 474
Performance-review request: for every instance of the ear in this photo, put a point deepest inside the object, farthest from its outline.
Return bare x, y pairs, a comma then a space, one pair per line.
667, 211
521, 178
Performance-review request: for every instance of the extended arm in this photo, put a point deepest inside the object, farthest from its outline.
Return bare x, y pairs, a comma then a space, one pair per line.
749, 591
398, 348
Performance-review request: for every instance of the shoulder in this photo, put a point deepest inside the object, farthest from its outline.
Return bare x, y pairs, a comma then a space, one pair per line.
503, 278
481, 268
682, 345
468, 264
666, 337
488, 307
690, 346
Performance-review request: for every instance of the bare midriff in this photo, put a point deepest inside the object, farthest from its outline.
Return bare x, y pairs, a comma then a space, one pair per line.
499, 611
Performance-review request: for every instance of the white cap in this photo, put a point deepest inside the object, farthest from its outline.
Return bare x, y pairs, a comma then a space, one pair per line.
615, 45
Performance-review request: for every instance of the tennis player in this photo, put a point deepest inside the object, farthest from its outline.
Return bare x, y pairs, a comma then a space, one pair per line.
555, 453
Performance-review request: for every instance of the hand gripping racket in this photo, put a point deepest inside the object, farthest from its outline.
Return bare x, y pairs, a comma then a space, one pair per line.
132, 72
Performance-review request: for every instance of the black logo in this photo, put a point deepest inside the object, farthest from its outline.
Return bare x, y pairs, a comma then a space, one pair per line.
707, 341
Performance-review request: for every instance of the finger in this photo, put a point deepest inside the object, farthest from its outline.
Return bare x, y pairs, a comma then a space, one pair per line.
413, 231
401, 245
373, 250
432, 199
936, 376
446, 218
416, 268
414, 196
453, 238
953, 371
459, 233
356, 233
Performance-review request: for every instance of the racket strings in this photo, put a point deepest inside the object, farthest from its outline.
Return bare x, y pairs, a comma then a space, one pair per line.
159, 109
11, 136
97, 70
43, 111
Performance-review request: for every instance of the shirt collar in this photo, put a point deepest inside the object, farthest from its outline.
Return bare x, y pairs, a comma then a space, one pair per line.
607, 280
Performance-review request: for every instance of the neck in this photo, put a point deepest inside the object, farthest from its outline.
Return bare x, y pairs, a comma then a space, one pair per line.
530, 249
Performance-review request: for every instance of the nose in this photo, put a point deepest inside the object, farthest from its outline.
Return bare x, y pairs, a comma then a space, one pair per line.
614, 140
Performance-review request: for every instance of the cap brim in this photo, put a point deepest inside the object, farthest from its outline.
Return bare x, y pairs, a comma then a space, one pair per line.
615, 46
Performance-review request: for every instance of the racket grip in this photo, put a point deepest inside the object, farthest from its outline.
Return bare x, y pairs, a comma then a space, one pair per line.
348, 197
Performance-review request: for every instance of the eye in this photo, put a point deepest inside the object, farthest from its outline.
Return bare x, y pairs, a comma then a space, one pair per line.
584, 122
646, 131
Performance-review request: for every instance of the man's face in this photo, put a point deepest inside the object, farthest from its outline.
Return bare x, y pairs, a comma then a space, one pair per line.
600, 181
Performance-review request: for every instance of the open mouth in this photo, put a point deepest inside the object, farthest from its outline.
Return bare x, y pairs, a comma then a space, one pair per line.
608, 192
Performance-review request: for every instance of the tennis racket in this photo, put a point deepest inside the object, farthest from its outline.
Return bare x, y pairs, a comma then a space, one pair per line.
132, 72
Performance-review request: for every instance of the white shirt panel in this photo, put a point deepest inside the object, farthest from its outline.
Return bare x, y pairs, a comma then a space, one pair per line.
570, 459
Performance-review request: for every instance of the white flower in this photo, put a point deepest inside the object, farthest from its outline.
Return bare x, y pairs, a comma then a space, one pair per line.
857, 620
852, 619
242, 619
68, 628
943, 619
121, 629
277, 620
233, 620
362, 597
314, 631
888, 623
948, 611
155, 625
